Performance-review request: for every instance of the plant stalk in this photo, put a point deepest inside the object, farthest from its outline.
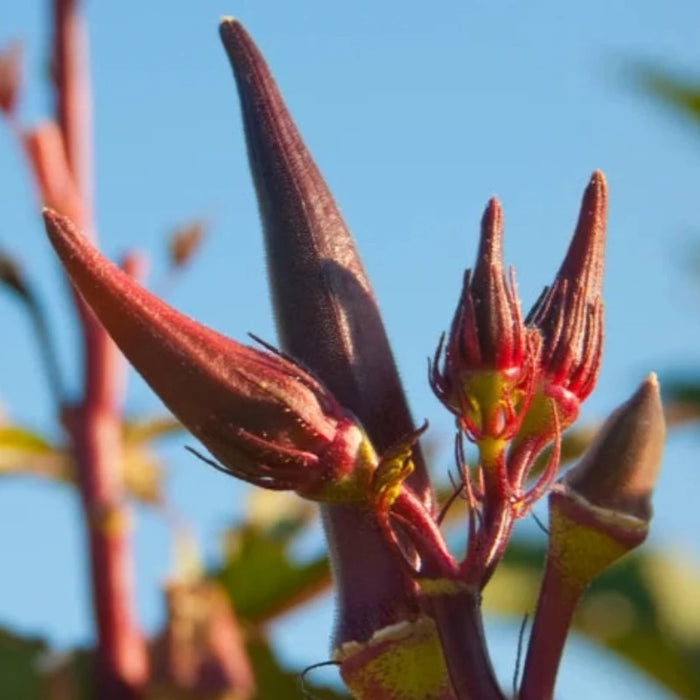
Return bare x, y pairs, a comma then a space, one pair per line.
94, 424
555, 610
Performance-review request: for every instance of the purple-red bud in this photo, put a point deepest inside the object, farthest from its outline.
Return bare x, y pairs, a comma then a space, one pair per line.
487, 336
618, 471
261, 415
569, 314
487, 331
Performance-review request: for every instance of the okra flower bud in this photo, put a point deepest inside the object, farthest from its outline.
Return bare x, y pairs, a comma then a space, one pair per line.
264, 417
484, 371
569, 313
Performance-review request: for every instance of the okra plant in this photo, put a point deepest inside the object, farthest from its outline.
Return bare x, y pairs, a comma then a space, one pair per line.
324, 415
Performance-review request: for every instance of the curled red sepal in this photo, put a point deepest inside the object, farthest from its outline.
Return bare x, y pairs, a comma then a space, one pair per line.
261, 415
569, 314
484, 372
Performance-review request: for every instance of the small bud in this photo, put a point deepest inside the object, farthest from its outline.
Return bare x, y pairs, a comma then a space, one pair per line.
10, 77
569, 314
598, 512
601, 508
184, 242
261, 415
619, 470
488, 361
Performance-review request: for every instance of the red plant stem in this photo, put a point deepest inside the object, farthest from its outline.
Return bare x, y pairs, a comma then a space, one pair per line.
487, 545
94, 425
458, 618
73, 94
555, 609
121, 655
427, 539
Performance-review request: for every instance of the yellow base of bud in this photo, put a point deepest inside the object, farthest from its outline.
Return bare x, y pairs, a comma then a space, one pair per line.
400, 662
585, 540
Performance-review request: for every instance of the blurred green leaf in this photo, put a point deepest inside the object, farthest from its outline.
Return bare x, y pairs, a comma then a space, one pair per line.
262, 579
143, 473
680, 93
258, 572
19, 663
24, 451
681, 399
141, 430
646, 609
275, 682
27, 452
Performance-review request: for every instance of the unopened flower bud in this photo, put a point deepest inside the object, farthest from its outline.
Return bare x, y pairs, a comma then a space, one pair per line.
601, 508
483, 371
598, 512
569, 314
266, 419
619, 469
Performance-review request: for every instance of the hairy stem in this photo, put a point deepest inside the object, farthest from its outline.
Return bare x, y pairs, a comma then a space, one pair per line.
555, 609
457, 614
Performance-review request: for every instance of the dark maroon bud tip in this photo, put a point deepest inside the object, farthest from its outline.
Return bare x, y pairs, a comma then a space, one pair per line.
619, 470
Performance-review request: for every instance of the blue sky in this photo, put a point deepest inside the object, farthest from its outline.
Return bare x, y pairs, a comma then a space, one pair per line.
416, 115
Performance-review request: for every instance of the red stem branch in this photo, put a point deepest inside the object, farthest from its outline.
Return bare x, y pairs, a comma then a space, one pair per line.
71, 77
458, 619
94, 424
555, 609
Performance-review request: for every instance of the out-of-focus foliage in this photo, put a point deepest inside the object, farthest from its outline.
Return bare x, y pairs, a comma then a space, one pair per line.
644, 609
184, 242
682, 399
258, 571
19, 663
26, 452
273, 682
680, 93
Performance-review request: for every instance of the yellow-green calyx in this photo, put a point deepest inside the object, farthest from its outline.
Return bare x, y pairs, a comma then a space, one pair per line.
354, 485
491, 397
400, 662
586, 539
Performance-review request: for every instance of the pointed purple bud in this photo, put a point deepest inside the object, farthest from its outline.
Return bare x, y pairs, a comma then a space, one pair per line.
261, 415
326, 313
569, 314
